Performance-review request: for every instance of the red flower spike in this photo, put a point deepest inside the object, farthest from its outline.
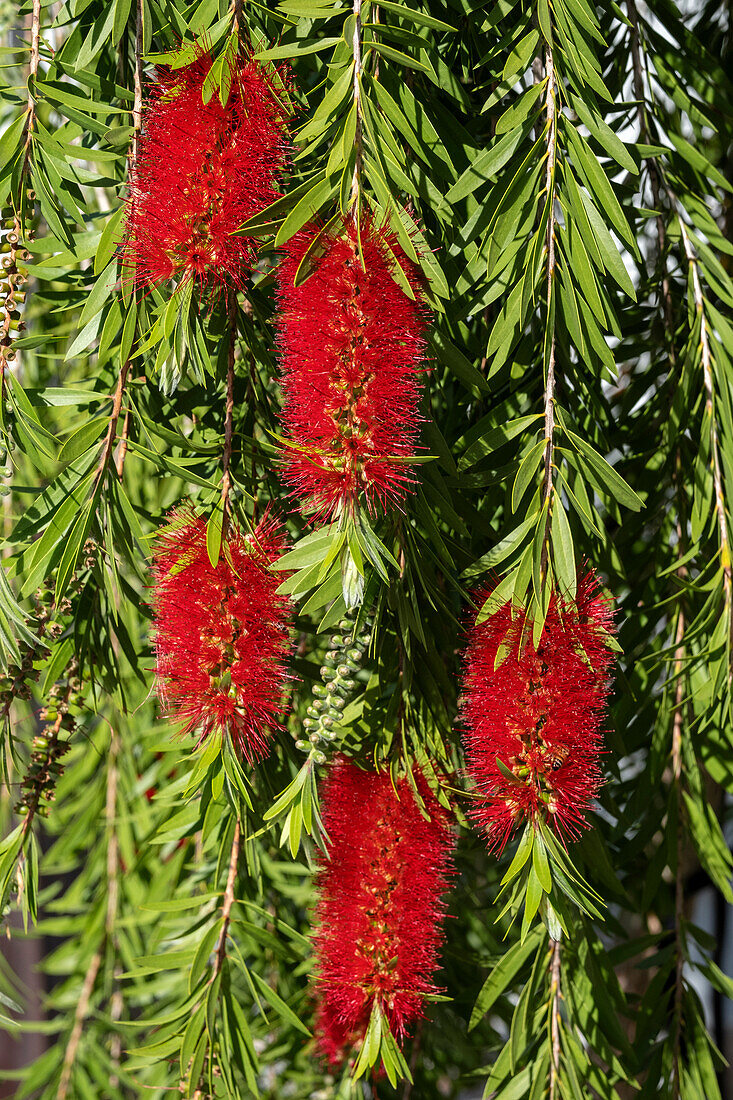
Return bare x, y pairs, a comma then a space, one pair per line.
201, 171
222, 635
352, 344
380, 906
538, 714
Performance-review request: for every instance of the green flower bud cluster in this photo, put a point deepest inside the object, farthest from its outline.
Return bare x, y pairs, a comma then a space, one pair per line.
65, 700
12, 287
338, 681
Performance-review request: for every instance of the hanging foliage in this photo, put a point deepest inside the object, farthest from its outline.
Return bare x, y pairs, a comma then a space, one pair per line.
366, 385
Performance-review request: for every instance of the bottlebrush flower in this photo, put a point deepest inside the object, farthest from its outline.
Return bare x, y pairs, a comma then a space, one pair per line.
538, 714
380, 907
222, 635
201, 170
352, 343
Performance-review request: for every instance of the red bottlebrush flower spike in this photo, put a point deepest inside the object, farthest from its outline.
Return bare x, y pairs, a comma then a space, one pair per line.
538, 714
222, 634
352, 344
380, 906
201, 171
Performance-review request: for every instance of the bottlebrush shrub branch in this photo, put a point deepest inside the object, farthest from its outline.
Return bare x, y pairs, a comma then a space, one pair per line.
222, 633
379, 913
533, 715
201, 170
352, 345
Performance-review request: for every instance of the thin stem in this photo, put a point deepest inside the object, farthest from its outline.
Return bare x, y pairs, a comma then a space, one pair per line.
111, 436
358, 136
237, 16
555, 995
32, 74
228, 901
549, 420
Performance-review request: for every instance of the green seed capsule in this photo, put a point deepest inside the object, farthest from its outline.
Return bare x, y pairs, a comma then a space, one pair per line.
312, 712
327, 673
314, 738
348, 685
319, 757
318, 705
336, 641
343, 671
320, 690
338, 703
355, 655
309, 724
302, 745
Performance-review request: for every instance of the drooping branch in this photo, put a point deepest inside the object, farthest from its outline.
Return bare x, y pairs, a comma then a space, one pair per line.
555, 995
659, 183
111, 435
90, 978
707, 373
549, 402
358, 135
32, 74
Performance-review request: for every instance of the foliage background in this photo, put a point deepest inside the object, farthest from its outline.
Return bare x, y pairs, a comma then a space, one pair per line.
566, 167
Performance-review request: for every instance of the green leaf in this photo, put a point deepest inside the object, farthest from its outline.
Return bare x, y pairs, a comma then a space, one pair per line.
283, 1010
111, 237
10, 140
520, 111
395, 55
563, 551
519, 58
418, 17
79, 442
608, 250
532, 901
504, 973
619, 489
121, 15
486, 165
305, 210
525, 473
541, 865
296, 49
213, 533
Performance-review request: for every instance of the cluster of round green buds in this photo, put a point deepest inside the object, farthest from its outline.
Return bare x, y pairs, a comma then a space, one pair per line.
12, 287
15, 684
51, 744
341, 663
